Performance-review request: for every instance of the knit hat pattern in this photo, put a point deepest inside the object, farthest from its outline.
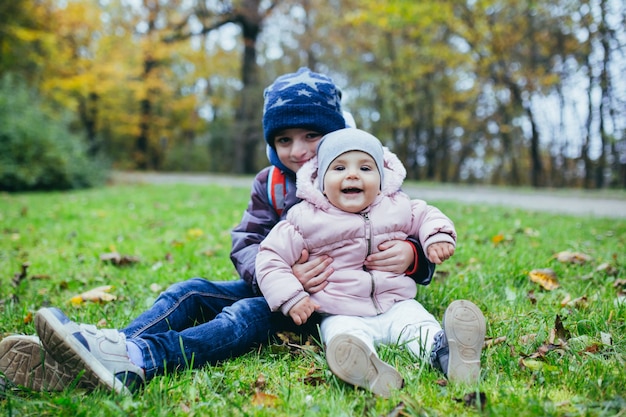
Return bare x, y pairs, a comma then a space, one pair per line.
344, 140
304, 99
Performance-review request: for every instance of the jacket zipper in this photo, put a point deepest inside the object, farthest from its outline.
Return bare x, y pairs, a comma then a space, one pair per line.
368, 239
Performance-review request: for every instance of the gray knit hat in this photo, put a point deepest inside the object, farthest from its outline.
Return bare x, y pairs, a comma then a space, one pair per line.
341, 141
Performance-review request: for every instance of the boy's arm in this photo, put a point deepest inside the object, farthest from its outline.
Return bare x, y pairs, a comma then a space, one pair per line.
422, 270
257, 221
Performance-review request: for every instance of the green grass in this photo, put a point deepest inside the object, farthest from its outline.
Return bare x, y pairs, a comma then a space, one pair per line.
181, 231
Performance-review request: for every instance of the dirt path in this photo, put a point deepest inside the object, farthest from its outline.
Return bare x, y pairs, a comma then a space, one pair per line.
572, 202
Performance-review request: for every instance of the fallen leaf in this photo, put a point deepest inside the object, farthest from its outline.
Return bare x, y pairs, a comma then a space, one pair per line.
572, 257
98, 294
580, 302
474, 399
607, 268
606, 338
194, 233
491, 342
561, 332
314, 376
260, 382
545, 277
528, 338
442, 382
117, 259
261, 399
397, 411
28, 318
497, 238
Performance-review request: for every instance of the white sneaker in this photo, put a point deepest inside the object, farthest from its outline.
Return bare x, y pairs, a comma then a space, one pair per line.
464, 328
101, 354
352, 361
24, 362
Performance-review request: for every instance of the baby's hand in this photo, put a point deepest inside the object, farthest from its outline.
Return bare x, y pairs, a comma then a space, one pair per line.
439, 252
302, 310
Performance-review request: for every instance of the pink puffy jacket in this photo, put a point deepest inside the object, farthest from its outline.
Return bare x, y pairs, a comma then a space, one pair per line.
318, 226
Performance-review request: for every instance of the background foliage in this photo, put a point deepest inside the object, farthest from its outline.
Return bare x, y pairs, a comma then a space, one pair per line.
504, 92
39, 152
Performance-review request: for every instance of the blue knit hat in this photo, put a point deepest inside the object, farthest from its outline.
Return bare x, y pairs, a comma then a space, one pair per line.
304, 99
341, 141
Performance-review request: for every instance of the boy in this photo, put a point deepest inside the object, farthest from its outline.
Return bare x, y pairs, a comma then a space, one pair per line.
211, 321
351, 202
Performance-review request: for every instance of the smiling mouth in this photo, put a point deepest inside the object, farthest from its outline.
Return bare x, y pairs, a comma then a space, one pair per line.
351, 190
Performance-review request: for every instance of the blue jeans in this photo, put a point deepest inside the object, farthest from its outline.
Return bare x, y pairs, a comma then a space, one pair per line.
196, 322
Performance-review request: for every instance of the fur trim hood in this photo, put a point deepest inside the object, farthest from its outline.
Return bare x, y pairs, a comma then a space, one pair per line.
306, 187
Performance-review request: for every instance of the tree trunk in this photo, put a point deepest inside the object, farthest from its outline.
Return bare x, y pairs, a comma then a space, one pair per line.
248, 133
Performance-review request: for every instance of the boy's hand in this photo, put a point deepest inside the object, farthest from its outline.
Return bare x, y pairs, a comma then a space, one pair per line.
312, 275
395, 256
439, 252
302, 310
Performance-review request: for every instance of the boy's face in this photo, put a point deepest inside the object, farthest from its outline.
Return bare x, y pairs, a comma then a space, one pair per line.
352, 181
296, 146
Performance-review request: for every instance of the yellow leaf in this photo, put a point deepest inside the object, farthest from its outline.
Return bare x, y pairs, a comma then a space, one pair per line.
98, 294
544, 277
262, 399
194, 233
497, 238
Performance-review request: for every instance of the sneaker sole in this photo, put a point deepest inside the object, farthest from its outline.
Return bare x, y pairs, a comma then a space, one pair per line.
61, 344
24, 362
464, 325
352, 361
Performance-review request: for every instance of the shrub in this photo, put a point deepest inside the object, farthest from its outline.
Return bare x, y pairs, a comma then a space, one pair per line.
38, 150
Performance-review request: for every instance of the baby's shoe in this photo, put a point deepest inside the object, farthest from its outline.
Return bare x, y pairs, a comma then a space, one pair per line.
457, 348
354, 362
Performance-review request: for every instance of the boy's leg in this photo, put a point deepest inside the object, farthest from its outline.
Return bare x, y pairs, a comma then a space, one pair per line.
24, 362
456, 350
184, 327
351, 355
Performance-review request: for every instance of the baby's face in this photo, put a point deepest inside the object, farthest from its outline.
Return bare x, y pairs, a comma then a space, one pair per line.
296, 146
352, 181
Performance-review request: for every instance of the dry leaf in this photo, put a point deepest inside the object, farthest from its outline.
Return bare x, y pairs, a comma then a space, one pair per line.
572, 257
117, 259
607, 268
545, 277
260, 382
194, 233
561, 332
398, 410
606, 338
28, 318
497, 238
474, 399
261, 399
491, 342
528, 338
580, 302
99, 295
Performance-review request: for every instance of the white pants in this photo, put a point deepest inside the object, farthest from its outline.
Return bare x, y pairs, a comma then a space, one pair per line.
406, 324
